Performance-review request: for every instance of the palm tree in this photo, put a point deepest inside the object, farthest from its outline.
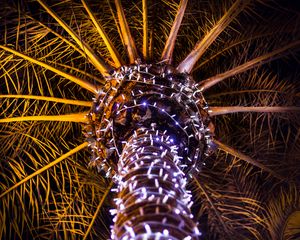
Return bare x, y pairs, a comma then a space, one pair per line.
151, 95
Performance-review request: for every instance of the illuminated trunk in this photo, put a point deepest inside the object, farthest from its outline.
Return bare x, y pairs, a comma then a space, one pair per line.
152, 201
148, 130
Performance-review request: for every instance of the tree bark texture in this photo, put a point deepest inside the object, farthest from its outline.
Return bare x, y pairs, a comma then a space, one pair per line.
152, 201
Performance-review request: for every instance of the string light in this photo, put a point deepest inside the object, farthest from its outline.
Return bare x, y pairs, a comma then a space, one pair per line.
132, 129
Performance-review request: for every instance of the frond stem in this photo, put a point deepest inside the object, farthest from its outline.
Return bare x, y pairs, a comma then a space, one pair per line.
51, 99
53, 163
111, 48
202, 188
98, 210
57, 35
188, 63
213, 111
169, 47
89, 75
246, 66
74, 117
246, 158
81, 82
145, 31
126, 35
97, 61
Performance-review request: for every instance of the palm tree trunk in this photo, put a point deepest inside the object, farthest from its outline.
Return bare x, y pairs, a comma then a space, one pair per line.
152, 201
150, 131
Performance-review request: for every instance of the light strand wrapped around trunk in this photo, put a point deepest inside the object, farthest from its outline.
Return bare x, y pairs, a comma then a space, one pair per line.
152, 201
149, 129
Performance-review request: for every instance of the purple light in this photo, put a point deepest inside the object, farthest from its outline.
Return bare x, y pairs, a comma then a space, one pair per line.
144, 103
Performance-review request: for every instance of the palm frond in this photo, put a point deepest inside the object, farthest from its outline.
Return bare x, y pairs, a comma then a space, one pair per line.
170, 43
98, 62
188, 63
282, 214
126, 34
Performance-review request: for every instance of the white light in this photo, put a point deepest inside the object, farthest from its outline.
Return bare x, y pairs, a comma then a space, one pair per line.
187, 238
196, 230
130, 230
125, 238
165, 177
156, 183
151, 197
113, 211
166, 232
148, 229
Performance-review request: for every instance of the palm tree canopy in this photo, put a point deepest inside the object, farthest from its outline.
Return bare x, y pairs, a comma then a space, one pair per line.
55, 58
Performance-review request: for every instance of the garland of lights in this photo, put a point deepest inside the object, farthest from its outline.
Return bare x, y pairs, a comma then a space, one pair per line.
148, 129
